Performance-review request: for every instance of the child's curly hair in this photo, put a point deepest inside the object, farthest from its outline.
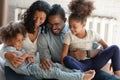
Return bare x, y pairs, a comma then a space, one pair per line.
80, 9
11, 30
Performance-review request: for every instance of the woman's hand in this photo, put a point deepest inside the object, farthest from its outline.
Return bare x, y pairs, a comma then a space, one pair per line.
14, 59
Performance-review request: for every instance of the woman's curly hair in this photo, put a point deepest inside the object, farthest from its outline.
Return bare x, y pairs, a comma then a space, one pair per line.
80, 9
11, 30
28, 16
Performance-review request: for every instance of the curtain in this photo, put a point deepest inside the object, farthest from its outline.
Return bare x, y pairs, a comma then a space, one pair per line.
3, 12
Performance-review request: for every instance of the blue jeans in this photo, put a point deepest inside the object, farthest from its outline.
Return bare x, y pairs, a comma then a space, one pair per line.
12, 75
102, 75
97, 62
57, 71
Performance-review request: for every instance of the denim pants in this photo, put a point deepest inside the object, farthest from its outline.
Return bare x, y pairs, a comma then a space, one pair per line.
57, 71
12, 75
102, 75
97, 62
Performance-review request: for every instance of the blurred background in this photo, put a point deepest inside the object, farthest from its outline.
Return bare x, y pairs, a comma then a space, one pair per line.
105, 18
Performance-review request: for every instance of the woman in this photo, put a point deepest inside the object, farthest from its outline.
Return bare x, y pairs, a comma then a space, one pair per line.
34, 20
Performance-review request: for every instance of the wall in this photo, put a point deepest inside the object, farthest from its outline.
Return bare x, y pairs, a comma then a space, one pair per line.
107, 8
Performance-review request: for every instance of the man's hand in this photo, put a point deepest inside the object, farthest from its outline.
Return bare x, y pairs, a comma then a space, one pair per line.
78, 54
46, 63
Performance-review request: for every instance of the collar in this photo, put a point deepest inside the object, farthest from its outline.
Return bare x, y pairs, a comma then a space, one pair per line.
65, 29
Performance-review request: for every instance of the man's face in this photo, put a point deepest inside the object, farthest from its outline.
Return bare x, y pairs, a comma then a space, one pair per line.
56, 23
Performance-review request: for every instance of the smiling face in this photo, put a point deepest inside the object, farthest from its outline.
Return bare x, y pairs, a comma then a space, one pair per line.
75, 26
39, 18
17, 41
56, 23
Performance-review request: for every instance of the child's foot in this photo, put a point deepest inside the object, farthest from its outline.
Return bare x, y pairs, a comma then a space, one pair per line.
88, 75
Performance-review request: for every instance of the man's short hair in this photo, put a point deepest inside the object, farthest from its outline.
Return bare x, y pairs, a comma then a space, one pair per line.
56, 9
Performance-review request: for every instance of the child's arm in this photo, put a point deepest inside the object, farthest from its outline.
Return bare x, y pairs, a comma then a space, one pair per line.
103, 43
93, 53
78, 54
64, 52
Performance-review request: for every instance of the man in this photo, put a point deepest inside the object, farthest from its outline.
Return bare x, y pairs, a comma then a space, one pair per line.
50, 44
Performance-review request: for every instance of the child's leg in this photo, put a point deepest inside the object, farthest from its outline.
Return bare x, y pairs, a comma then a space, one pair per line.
101, 59
63, 68
98, 62
11, 75
72, 63
88, 75
54, 72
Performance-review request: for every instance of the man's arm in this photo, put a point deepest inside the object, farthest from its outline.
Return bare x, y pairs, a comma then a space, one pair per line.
43, 47
44, 51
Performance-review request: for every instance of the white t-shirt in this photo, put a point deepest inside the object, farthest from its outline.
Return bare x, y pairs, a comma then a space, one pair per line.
85, 43
29, 46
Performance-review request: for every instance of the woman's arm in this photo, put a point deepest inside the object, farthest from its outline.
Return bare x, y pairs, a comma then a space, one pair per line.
64, 52
14, 59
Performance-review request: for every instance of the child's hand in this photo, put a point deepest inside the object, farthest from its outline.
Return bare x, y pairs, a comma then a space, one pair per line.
30, 60
78, 54
94, 52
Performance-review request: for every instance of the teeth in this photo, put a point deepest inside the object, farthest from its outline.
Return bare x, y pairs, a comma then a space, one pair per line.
55, 30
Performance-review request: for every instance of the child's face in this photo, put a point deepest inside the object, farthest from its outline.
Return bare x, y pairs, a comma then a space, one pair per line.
17, 42
75, 26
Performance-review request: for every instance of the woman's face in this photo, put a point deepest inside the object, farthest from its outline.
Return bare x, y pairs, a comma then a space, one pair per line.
39, 18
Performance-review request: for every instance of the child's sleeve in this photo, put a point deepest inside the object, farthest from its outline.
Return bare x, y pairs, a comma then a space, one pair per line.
5, 50
97, 36
67, 38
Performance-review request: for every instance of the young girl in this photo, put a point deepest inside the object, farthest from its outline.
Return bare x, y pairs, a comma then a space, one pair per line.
13, 36
80, 41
